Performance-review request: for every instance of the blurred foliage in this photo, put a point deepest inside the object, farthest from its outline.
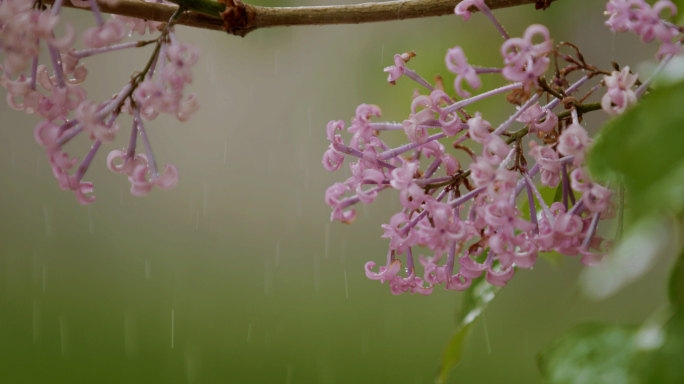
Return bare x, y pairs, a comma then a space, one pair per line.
476, 299
590, 354
643, 149
676, 288
601, 353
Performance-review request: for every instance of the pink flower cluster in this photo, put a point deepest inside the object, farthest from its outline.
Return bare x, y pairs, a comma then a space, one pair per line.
645, 20
469, 214
54, 93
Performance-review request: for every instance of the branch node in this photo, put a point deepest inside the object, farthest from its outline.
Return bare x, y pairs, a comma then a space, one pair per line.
238, 17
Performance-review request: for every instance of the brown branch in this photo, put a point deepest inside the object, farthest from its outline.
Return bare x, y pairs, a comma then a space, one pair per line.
240, 19
154, 12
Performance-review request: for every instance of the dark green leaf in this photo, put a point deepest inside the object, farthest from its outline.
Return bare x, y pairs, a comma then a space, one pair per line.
476, 299
666, 364
643, 149
590, 354
676, 285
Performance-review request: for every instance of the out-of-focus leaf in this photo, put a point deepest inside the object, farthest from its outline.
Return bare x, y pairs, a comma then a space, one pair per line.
590, 354
453, 353
634, 256
478, 296
676, 285
559, 193
643, 149
665, 364
548, 194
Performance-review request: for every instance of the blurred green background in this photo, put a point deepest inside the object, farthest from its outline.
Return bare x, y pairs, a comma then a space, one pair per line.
236, 275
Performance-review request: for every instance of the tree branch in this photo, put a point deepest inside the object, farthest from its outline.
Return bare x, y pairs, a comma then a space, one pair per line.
239, 19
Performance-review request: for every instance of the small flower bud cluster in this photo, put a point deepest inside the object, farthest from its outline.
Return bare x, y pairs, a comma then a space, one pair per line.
468, 214
54, 93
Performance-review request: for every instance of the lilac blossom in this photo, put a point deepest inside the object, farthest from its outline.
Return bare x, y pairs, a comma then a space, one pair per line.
468, 213
53, 91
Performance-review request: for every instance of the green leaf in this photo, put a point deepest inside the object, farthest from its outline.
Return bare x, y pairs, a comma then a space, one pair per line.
478, 296
453, 353
636, 253
643, 149
664, 365
676, 285
590, 354
559, 193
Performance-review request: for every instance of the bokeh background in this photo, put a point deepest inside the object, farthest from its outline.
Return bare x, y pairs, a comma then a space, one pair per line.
237, 275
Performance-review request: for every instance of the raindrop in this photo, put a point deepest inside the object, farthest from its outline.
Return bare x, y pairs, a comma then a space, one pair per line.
268, 276
382, 55
309, 117
249, 332
44, 277
48, 221
486, 332
316, 277
36, 321
197, 220
172, 321
327, 238
225, 151
147, 269
288, 378
63, 334
204, 205
277, 258
298, 203
346, 288
275, 69
90, 220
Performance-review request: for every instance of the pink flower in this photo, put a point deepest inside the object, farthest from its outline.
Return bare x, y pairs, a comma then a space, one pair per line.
112, 32
479, 129
525, 60
462, 7
400, 239
386, 273
399, 285
412, 127
574, 141
619, 95
332, 198
396, 71
457, 63
534, 114
547, 159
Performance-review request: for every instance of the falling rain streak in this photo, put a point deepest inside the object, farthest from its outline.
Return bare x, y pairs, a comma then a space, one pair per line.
172, 325
63, 335
327, 238
486, 333
346, 287
36, 321
90, 220
317, 280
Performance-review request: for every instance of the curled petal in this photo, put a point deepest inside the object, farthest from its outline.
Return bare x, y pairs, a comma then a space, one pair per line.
169, 179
